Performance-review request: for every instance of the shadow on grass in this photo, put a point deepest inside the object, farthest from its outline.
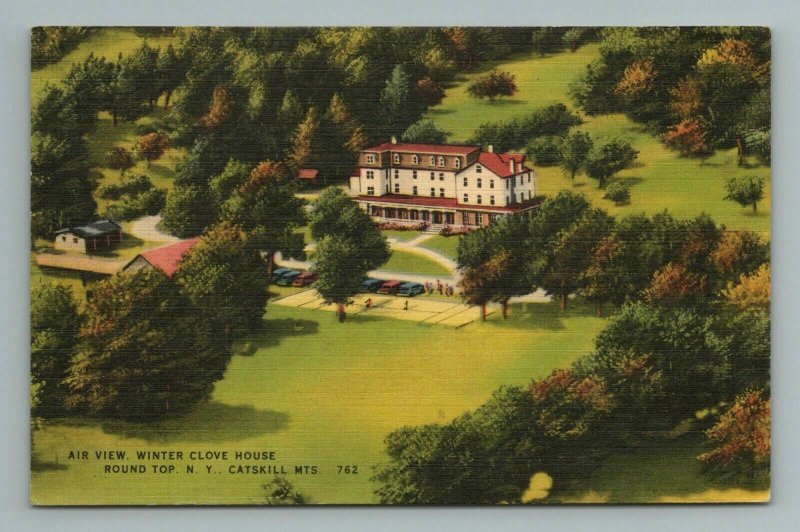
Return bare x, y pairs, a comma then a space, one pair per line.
438, 111
210, 422
276, 329
533, 316
128, 242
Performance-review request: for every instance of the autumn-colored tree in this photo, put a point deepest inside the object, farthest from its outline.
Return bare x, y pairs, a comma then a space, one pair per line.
120, 159
493, 85
304, 139
739, 253
431, 92
570, 404
152, 146
741, 437
638, 78
752, 291
462, 44
220, 109
687, 98
478, 285
605, 279
688, 137
731, 51
674, 283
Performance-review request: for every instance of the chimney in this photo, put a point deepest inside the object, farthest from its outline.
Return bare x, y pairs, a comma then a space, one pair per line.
394, 139
490, 148
511, 166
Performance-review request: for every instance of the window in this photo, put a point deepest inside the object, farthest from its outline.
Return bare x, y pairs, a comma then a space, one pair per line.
465, 182
396, 158
370, 191
415, 190
414, 173
63, 238
479, 182
508, 202
479, 199
507, 183
529, 194
491, 183
397, 188
466, 198
478, 169
458, 162
441, 176
433, 176
521, 197
370, 174
441, 192
491, 200
414, 159
396, 174
433, 192
529, 178
478, 218
433, 160
370, 158
74, 240
441, 161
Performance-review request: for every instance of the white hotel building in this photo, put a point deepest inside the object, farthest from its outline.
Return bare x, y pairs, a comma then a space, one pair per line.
442, 184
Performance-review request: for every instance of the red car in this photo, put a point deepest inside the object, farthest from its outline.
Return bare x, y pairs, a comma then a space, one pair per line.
390, 287
304, 279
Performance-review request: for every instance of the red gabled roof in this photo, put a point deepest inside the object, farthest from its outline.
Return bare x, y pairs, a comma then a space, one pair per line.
307, 173
167, 258
432, 149
499, 163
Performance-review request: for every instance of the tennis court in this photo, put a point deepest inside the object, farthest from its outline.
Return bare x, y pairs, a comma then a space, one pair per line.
420, 309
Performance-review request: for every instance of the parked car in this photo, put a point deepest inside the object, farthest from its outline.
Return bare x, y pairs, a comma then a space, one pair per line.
372, 285
390, 287
410, 289
287, 278
278, 273
305, 279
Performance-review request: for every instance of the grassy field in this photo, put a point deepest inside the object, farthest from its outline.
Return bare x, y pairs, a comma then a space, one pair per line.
105, 42
661, 178
446, 245
318, 393
407, 262
403, 236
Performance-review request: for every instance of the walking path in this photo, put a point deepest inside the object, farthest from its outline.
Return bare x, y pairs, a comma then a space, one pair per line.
146, 228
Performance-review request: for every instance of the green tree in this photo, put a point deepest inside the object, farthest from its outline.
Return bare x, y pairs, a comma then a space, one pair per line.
143, 69
188, 211
144, 351
575, 150
90, 85
268, 210
305, 144
745, 190
55, 322
226, 280
171, 69
425, 132
395, 100
559, 271
545, 150
608, 159
348, 246
223, 185
281, 492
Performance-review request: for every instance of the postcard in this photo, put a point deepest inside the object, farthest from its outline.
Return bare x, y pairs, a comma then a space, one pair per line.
400, 265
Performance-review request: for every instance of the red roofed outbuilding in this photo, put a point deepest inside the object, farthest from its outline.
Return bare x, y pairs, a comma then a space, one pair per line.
166, 259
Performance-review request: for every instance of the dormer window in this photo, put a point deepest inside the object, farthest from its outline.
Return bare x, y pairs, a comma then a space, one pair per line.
441, 161
396, 158
370, 158
478, 169
414, 159
458, 162
433, 160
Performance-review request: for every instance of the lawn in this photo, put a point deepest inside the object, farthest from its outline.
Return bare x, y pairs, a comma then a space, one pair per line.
446, 245
402, 236
317, 393
408, 262
661, 178
105, 42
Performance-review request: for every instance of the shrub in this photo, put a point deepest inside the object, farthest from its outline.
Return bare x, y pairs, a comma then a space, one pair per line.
448, 230
688, 137
553, 120
399, 226
545, 150
132, 186
619, 193
493, 85
746, 190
